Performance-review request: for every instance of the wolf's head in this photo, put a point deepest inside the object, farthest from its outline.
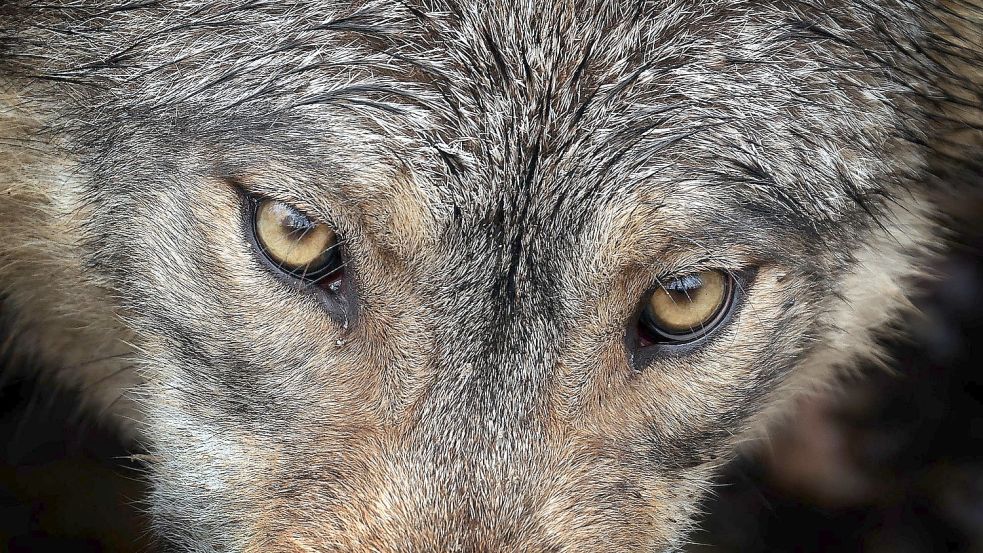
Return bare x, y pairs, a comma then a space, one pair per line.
498, 276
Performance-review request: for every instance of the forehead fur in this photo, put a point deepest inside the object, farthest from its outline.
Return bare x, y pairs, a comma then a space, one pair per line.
784, 107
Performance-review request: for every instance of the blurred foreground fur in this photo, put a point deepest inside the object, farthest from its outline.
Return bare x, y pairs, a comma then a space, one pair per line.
510, 180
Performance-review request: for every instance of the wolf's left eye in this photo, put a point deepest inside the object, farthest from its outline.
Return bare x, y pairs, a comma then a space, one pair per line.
294, 243
686, 308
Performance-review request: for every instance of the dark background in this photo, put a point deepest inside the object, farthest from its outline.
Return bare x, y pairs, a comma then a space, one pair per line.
894, 466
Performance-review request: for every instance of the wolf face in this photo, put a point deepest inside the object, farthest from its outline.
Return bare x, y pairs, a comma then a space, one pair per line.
429, 276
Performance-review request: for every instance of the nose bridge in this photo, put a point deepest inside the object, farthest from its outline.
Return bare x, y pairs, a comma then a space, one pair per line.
494, 369
482, 418
499, 336
478, 439
479, 455
496, 303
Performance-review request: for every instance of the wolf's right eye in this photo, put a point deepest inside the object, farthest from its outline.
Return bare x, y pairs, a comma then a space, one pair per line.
294, 243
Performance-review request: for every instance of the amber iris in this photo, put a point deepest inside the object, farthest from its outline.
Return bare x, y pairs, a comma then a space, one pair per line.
686, 308
292, 241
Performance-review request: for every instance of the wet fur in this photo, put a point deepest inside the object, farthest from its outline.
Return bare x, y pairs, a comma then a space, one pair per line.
510, 179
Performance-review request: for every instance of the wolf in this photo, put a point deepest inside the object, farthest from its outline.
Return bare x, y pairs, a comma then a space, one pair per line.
431, 275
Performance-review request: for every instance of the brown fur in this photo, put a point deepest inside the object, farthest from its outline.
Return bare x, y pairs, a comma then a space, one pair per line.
480, 392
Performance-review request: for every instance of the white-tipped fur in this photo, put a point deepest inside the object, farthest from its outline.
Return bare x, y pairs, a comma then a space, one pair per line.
510, 182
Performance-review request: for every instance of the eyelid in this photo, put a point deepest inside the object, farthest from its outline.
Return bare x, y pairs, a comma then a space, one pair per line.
743, 277
666, 275
681, 283
302, 210
317, 214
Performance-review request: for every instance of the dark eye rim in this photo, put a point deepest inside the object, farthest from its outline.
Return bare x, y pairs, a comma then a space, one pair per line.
658, 334
329, 274
339, 299
739, 285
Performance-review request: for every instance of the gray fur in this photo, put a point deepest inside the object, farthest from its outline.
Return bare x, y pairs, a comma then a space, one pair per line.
510, 179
